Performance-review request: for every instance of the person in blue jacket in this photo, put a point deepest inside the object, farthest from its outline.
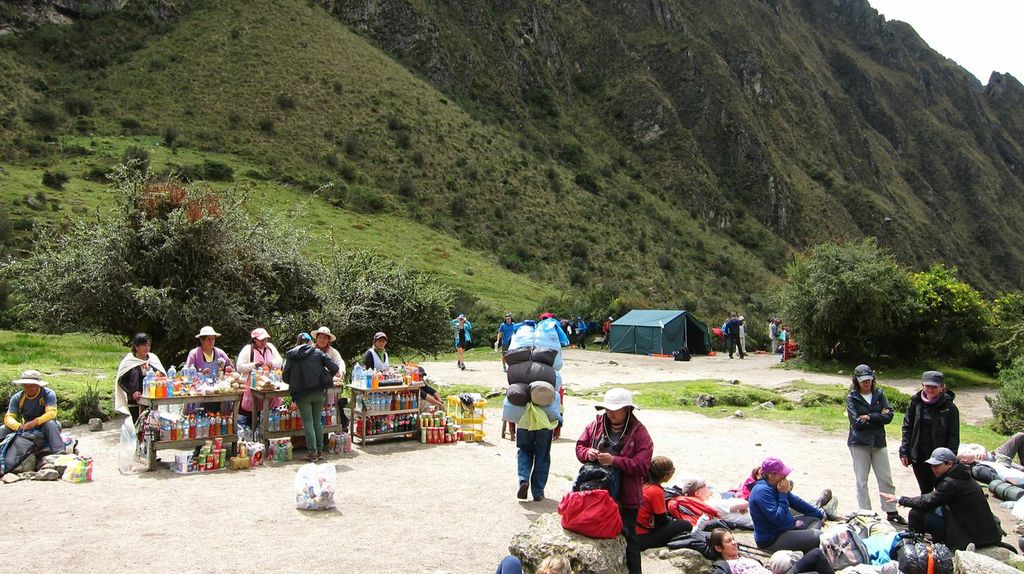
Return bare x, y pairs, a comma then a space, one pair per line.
504, 338
463, 337
581, 333
775, 527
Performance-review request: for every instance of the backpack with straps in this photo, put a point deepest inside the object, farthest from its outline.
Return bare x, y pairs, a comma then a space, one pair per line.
843, 546
925, 558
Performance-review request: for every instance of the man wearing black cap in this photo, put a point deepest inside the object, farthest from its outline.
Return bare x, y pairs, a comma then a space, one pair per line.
966, 517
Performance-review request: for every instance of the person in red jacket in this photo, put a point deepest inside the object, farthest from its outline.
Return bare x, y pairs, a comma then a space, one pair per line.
617, 439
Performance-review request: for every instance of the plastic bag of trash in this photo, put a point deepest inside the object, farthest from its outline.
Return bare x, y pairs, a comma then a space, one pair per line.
130, 457
314, 487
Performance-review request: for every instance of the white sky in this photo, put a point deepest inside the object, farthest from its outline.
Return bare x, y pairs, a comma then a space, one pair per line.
980, 35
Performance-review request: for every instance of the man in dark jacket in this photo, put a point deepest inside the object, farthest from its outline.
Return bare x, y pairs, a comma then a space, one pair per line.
731, 330
966, 517
309, 372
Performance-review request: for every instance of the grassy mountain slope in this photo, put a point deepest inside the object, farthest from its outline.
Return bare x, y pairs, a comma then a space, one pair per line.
292, 90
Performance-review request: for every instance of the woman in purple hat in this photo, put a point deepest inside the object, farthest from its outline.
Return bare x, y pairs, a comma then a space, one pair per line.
775, 527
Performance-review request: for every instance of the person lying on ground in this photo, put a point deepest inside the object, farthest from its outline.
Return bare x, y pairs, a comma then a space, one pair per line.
965, 516
733, 511
654, 527
31, 413
775, 527
724, 544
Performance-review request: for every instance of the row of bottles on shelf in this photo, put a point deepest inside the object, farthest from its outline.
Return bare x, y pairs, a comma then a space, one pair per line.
371, 379
288, 418
383, 402
386, 424
157, 386
198, 425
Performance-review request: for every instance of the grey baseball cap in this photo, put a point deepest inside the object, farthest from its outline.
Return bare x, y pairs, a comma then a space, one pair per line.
933, 379
941, 455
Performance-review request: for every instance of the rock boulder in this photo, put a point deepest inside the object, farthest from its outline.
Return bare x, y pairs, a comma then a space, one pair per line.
689, 561
546, 537
48, 474
95, 424
974, 563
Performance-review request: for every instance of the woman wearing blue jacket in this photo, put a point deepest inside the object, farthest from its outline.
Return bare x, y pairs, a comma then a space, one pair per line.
463, 329
775, 527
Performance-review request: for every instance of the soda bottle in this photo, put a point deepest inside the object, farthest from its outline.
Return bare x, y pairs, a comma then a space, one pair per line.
231, 426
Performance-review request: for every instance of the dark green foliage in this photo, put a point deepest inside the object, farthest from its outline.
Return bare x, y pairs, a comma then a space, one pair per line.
42, 117
850, 301
366, 200
353, 146
285, 101
898, 400
418, 159
1008, 333
1008, 404
130, 125
77, 105
266, 124
170, 136
331, 160
214, 170
136, 158
55, 179
817, 399
587, 182
956, 318
87, 405
406, 187
97, 173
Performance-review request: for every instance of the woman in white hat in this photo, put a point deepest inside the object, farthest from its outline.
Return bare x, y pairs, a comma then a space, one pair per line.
322, 339
32, 410
617, 439
259, 353
207, 357
130, 373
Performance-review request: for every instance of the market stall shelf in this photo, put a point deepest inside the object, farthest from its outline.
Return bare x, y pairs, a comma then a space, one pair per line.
154, 443
386, 412
267, 433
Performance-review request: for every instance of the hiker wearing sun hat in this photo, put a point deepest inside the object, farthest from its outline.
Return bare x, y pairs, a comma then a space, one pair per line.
775, 527
32, 410
932, 421
617, 439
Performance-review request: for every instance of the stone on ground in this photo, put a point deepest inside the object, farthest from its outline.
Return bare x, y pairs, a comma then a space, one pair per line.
546, 537
27, 465
95, 424
689, 561
11, 478
47, 474
974, 563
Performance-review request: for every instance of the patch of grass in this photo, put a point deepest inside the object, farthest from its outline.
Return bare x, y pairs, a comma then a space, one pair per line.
450, 390
956, 377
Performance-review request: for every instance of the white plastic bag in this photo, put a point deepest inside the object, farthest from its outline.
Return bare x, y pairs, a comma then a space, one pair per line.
314, 487
130, 457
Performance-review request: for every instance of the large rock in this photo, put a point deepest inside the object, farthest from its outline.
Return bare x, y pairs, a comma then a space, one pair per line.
48, 474
689, 561
546, 537
95, 424
27, 465
974, 563
10, 477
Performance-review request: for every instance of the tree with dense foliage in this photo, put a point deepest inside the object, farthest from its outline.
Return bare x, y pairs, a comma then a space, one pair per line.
850, 301
1008, 404
1008, 333
172, 258
954, 317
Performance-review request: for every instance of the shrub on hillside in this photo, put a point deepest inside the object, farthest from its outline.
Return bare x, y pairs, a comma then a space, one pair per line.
77, 105
170, 136
1008, 332
1008, 404
55, 179
267, 124
850, 301
136, 158
42, 117
285, 102
130, 125
954, 315
214, 170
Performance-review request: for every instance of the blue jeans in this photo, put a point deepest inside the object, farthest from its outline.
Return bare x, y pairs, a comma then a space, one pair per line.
535, 456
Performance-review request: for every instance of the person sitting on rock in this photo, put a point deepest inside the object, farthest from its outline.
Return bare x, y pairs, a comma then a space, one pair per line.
724, 545
32, 413
775, 527
965, 516
654, 527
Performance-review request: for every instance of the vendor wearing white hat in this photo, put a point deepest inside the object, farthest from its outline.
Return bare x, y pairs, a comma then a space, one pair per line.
617, 439
207, 357
259, 353
322, 339
33, 409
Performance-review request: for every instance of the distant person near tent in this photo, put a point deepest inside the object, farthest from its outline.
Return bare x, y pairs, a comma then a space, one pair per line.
581, 332
606, 329
731, 329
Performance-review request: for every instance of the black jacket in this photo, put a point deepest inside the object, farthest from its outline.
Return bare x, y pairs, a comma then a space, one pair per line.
872, 431
945, 427
308, 370
964, 507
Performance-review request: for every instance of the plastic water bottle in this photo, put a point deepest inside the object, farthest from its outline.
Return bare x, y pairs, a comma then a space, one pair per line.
357, 375
171, 373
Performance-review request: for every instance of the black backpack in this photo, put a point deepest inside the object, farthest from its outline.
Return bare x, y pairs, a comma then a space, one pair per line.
925, 558
683, 354
698, 540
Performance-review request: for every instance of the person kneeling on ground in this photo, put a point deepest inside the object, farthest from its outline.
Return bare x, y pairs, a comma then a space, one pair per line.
32, 412
723, 543
654, 527
775, 527
965, 518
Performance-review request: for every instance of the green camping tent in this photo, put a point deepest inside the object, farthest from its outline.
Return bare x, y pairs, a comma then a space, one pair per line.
644, 332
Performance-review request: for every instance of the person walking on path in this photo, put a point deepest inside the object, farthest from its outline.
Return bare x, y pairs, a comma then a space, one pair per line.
581, 333
606, 329
463, 337
773, 334
965, 516
932, 421
617, 439
504, 338
869, 412
309, 373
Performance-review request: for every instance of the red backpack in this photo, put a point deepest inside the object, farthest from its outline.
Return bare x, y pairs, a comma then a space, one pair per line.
592, 513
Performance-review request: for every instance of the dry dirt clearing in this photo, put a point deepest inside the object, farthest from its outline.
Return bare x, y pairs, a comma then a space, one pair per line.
402, 507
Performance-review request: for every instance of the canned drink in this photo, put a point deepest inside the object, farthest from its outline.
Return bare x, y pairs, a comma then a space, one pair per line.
423, 435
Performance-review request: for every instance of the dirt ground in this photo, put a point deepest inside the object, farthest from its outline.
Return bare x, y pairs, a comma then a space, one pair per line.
402, 506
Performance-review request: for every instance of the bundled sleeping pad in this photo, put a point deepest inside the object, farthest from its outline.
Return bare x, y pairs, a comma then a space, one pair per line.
1005, 491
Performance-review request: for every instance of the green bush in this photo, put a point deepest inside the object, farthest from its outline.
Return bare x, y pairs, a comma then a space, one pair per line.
746, 396
87, 405
42, 116
214, 170
136, 158
850, 301
77, 105
55, 179
817, 399
955, 318
285, 102
130, 125
267, 124
898, 400
1008, 334
170, 136
1008, 404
